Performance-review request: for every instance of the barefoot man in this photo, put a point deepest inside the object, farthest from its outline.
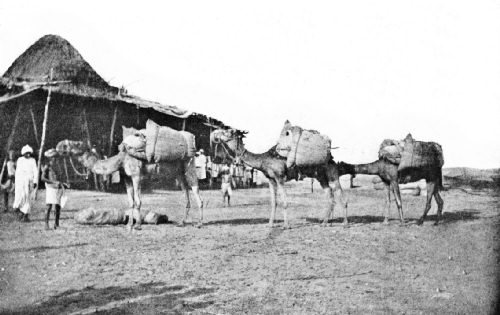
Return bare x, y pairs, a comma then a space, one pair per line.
54, 188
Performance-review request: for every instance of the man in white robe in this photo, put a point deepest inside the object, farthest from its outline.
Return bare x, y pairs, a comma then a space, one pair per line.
26, 181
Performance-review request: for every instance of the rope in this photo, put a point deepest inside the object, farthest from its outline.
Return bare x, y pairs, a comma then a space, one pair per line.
76, 171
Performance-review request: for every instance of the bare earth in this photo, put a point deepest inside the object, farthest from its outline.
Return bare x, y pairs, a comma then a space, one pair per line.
236, 264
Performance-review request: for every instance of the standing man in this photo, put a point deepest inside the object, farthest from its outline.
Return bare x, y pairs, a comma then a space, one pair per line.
54, 188
226, 185
8, 186
200, 162
26, 181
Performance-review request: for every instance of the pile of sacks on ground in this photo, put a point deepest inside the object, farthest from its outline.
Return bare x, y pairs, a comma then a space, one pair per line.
112, 216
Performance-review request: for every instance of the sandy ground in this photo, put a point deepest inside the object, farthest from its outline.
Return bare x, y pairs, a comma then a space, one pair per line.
236, 264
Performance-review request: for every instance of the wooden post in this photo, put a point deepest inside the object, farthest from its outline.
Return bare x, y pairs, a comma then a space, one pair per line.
112, 132
10, 139
44, 131
312, 185
34, 126
86, 127
184, 125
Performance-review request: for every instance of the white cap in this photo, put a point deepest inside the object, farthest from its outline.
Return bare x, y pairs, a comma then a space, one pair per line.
26, 149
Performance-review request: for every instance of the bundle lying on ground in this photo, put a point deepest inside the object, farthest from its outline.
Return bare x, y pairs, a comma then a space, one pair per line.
303, 147
112, 216
167, 144
418, 154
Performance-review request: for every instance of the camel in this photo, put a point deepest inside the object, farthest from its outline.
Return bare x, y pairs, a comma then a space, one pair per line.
228, 144
391, 177
133, 168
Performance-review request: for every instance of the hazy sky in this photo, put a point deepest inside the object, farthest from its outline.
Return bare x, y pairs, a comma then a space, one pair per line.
358, 71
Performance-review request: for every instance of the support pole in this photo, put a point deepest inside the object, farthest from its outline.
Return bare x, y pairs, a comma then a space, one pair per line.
66, 170
312, 185
112, 132
184, 124
34, 126
44, 131
86, 127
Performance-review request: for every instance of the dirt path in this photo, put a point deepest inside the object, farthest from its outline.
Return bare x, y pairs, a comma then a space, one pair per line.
235, 264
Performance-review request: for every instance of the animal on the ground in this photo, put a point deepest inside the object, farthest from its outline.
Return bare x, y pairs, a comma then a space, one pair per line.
134, 168
229, 144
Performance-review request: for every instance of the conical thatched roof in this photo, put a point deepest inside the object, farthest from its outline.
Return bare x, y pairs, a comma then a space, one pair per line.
54, 52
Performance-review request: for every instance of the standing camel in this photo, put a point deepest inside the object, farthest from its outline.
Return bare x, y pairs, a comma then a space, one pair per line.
391, 177
229, 144
133, 168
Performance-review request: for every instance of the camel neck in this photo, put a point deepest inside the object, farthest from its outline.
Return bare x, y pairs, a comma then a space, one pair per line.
251, 159
368, 168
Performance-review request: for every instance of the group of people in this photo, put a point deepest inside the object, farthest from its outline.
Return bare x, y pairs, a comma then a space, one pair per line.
22, 178
232, 175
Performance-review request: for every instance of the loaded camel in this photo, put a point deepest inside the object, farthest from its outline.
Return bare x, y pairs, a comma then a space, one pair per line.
391, 176
228, 144
133, 168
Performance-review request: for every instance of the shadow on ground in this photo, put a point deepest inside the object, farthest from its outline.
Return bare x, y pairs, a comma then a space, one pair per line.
146, 298
448, 217
40, 248
243, 221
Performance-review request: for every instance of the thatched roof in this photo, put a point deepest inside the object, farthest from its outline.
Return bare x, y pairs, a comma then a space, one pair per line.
71, 74
54, 52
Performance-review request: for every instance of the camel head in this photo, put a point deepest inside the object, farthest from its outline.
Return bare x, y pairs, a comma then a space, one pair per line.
70, 147
226, 143
287, 137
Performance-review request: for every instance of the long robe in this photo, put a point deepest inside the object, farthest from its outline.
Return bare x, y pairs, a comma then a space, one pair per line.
26, 176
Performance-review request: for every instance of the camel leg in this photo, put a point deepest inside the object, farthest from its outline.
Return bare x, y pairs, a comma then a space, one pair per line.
130, 197
281, 189
387, 203
184, 186
430, 192
440, 204
272, 188
136, 211
337, 190
199, 202
397, 196
331, 203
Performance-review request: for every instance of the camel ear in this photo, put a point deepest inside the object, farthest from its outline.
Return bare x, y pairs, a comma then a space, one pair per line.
287, 122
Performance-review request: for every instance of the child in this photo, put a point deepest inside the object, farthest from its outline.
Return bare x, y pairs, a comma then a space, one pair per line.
54, 188
226, 185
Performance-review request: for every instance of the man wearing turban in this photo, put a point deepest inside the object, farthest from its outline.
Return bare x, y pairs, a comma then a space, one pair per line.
26, 181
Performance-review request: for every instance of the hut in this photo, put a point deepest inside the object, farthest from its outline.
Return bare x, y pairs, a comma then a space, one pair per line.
81, 104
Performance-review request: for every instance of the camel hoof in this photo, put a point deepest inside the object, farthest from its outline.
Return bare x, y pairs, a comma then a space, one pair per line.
270, 225
345, 223
199, 225
386, 222
420, 221
137, 227
286, 227
436, 223
129, 227
182, 224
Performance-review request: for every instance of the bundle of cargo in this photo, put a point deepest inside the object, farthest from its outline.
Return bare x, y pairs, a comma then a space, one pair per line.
112, 216
418, 154
165, 144
390, 150
303, 147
